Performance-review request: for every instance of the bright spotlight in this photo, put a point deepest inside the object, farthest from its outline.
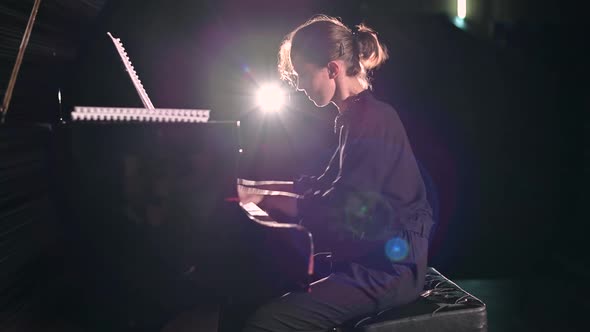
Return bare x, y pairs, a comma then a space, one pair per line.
270, 97
461, 9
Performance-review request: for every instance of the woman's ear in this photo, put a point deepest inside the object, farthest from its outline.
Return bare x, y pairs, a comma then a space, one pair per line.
333, 69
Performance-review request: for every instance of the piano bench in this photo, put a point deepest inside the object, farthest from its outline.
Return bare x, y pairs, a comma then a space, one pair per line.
442, 307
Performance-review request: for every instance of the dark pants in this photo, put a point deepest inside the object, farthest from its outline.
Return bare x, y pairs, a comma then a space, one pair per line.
352, 291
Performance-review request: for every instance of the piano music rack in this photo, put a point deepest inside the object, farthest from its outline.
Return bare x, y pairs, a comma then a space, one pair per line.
125, 114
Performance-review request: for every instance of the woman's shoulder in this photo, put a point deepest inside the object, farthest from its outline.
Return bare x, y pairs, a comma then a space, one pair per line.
378, 111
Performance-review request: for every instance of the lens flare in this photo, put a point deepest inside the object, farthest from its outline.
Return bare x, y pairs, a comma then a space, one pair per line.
397, 249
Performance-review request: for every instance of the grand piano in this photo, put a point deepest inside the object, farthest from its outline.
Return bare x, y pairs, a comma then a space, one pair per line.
145, 208
154, 200
157, 221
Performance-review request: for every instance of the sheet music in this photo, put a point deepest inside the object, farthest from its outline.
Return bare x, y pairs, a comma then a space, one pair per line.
147, 103
128, 114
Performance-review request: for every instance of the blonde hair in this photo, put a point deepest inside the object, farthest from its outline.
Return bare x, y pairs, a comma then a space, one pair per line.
323, 39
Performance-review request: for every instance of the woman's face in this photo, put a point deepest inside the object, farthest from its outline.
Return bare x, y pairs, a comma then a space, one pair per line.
315, 81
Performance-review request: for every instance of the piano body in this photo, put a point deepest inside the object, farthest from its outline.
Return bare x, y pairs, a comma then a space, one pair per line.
159, 185
156, 218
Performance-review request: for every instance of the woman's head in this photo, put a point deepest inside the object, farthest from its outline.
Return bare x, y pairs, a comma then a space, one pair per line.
311, 54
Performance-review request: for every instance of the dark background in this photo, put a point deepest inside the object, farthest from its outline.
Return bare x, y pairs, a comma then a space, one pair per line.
497, 112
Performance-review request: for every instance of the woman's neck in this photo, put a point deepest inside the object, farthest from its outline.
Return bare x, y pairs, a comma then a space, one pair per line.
345, 93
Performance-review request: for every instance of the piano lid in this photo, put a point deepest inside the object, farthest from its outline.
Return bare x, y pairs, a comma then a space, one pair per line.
53, 44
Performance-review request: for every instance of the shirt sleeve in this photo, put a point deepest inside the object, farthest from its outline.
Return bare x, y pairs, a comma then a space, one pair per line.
309, 184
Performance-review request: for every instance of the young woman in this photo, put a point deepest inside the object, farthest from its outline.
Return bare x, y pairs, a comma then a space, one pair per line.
369, 208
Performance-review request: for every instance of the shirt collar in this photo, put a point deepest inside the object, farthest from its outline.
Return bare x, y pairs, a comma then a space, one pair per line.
355, 105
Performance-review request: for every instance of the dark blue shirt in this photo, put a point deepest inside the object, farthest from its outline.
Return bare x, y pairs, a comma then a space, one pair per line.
372, 187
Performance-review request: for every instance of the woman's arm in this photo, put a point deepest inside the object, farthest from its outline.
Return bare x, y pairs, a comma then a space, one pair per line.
354, 204
284, 205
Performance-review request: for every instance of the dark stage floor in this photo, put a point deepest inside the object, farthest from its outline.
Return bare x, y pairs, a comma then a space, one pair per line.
534, 304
